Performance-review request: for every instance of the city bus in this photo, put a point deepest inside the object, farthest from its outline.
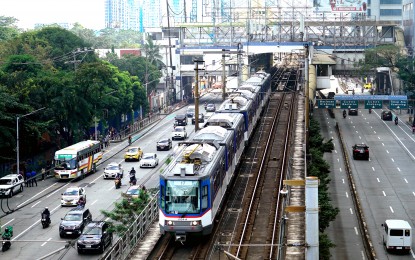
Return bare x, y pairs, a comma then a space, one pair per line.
77, 160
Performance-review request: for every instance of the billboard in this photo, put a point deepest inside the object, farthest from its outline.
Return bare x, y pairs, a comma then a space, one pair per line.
346, 6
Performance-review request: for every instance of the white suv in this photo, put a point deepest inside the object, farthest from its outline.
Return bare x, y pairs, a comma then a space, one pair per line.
11, 184
179, 132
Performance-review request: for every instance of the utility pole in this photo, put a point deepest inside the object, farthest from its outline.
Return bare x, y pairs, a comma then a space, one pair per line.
223, 75
75, 53
307, 93
197, 93
239, 55
171, 59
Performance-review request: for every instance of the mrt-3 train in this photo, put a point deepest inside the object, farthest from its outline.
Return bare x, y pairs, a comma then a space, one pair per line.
193, 186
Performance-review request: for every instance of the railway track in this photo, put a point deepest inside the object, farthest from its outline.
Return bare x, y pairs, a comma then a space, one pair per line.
252, 200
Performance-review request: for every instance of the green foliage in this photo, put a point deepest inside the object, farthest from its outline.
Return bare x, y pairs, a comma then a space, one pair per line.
8, 29
325, 245
125, 212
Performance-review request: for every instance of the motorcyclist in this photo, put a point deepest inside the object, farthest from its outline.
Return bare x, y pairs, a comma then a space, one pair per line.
8, 233
370, 111
344, 113
117, 182
133, 180
46, 214
129, 140
81, 202
396, 120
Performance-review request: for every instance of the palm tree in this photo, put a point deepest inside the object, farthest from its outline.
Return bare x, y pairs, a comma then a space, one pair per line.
152, 53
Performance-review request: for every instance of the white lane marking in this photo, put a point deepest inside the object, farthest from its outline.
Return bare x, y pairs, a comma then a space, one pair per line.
383, 144
335, 151
384, 194
404, 146
392, 160
36, 203
355, 230
373, 168
340, 169
351, 211
412, 253
371, 127
46, 242
374, 132
36, 194
13, 219
332, 138
378, 137
353, 126
338, 160
343, 181
391, 209
94, 202
57, 190
387, 151
360, 137
378, 179
112, 187
99, 177
106, 219
413, 193
398, 168
406, 180
331, 132
357, 132
347, 194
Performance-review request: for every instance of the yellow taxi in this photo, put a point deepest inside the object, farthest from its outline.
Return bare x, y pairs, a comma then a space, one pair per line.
368, 86
133, 153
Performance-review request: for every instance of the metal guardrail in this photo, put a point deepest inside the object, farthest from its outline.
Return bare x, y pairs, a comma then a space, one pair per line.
125, 245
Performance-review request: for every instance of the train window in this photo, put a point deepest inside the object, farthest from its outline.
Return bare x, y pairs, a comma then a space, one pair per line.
162, 198
407, 232
204, 198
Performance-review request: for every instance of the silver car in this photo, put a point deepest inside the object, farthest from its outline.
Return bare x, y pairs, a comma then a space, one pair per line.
112, 170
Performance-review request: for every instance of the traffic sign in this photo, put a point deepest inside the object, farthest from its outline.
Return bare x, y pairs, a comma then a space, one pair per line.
398, 104
326, 103
373, 104
349, 104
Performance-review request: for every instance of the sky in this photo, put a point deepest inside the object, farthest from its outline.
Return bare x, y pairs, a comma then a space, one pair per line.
89, 13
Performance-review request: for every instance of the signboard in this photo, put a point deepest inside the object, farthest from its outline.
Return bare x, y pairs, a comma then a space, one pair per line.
340, 6
373, 104
326, 103
398, 104
370, 97
349, 104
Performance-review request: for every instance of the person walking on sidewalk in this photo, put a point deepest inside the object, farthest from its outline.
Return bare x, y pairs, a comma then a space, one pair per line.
34, 181
28, 180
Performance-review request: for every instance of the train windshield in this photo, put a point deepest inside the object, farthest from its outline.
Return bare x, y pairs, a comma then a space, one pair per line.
182, 197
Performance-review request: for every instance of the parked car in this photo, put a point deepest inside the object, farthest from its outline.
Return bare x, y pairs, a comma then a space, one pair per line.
164, 144
201, 119
133, 153
72, 195
353, 112
179, 132
149, 160
11, 184
112, 170
180, 119
210, 108
74, 222
386, 115
94, 237
361, 151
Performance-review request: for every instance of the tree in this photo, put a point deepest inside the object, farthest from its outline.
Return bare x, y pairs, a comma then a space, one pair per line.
8, 29
152, 53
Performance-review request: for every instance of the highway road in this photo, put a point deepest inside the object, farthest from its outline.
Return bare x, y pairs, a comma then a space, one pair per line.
31, 241
385, 183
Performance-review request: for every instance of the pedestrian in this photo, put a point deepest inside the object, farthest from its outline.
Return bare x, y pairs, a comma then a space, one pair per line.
34, 181
43, 171
28, 181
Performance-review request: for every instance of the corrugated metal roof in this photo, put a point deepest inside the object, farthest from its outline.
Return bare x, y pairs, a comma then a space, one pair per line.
323, 59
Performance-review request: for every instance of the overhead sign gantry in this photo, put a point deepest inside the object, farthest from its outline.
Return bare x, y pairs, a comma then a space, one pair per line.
371, 101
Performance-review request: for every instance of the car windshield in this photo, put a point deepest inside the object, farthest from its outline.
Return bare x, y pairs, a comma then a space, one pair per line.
178, 129
133, 191
132, 150
148, 156
163, 141
5, 181
180, 116
71, 192
73, 217
92, 231
112, 167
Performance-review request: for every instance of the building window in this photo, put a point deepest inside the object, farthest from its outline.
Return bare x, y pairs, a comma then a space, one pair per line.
391, 12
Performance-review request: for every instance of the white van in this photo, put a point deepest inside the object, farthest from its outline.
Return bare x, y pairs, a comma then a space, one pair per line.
190, 111
397, 235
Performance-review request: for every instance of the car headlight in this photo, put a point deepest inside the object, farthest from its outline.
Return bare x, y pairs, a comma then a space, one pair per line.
195, 223
169, 223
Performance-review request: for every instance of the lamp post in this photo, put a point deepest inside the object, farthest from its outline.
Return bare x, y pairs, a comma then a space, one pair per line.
17, 136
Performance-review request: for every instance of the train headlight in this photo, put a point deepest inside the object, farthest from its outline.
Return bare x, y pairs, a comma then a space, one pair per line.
195, 223
169, 223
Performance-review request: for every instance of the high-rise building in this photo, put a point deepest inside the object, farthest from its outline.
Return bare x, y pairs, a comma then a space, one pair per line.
122, 14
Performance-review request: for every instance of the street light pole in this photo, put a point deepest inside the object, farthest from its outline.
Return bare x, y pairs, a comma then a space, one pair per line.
17, 136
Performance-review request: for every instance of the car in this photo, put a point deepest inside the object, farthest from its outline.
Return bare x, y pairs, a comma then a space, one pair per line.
133, 153
179, 132
133, 191
11, 184
95, 236
201, 119
112, 170
164, 144
74, 222
72, 195
190, 111
149, 160
210, 108
361, 151
180, 119
353, 112
386, 115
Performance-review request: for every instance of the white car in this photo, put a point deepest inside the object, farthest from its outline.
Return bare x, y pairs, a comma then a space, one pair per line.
72, 195
149, 160
112, 170
11, 184
179, 132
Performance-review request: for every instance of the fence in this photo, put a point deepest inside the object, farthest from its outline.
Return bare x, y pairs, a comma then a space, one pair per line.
126, 244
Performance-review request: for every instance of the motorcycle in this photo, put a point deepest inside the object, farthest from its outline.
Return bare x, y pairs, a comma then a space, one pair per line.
133, 181
6, 236
370, 111
6, 244
45, 221
396, 121
117, 183
344, 114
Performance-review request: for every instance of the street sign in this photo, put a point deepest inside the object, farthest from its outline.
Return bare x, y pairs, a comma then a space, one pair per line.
370, 97
326, 103
349, 104
398, 104
373, 104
